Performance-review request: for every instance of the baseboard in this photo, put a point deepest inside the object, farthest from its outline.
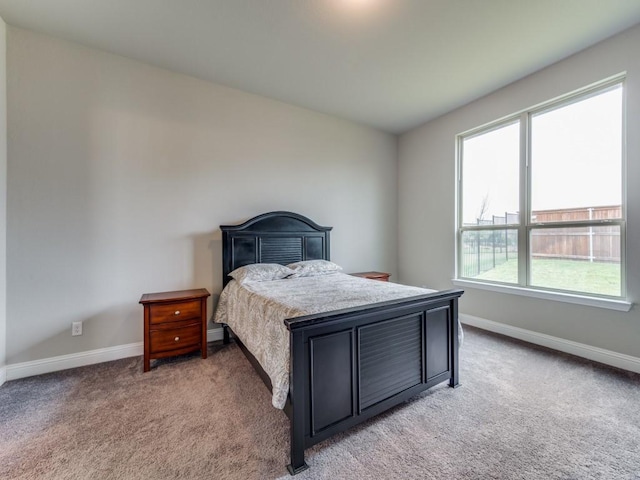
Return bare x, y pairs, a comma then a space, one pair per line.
608, 357
214, 334
81, 359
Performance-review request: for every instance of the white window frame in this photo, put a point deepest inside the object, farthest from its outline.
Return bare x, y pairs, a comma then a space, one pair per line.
526, 225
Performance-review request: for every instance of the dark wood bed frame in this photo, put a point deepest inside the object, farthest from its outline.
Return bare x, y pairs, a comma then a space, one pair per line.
347, 365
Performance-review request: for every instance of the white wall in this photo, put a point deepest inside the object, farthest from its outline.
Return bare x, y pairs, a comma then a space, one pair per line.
120, 174
3, 197
427, 200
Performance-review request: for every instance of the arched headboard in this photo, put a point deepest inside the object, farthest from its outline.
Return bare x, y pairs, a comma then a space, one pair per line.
274, 237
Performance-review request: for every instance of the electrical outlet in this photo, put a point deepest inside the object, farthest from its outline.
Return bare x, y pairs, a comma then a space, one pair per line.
76, 328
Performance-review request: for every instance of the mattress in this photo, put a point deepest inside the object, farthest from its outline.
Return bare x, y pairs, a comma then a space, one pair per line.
256, 312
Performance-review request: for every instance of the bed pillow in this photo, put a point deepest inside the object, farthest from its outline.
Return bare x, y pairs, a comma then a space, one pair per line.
261, 272
312, 268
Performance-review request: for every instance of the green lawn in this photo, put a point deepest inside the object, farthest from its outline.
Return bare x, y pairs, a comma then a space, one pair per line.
573, 275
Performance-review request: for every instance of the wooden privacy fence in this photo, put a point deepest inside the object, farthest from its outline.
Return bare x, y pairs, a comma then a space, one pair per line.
484, 250
596, 244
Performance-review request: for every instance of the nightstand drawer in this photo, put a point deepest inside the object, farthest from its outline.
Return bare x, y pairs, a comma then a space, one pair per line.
175, 338
174, 312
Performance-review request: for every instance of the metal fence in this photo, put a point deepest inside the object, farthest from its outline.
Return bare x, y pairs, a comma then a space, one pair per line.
485, 250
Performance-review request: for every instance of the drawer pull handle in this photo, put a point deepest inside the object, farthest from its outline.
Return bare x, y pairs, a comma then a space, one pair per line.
177, 312
177, 338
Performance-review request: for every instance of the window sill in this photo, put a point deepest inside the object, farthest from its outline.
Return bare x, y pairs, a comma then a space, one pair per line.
611, 304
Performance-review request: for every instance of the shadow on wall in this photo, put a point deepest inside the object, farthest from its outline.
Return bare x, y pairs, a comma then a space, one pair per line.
207, 267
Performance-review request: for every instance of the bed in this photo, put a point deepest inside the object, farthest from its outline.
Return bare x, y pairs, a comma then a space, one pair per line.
345, 365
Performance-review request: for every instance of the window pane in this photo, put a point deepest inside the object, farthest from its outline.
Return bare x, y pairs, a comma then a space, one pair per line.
490, 173
490, 255
576, 159
580, 259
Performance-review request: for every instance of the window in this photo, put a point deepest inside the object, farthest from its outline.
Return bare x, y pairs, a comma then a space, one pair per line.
541, 197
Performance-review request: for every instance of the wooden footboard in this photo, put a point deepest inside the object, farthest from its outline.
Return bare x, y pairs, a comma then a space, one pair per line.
349, 365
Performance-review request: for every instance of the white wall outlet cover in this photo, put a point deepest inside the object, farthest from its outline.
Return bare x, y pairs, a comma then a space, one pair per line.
76, 328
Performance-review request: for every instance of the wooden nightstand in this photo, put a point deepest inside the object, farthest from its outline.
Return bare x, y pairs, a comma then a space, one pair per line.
174, 323
382, 276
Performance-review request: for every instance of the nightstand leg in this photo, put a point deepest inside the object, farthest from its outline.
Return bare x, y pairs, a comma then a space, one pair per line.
203, 320
147, 363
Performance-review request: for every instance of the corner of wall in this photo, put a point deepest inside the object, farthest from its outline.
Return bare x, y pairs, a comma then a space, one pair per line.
3, 200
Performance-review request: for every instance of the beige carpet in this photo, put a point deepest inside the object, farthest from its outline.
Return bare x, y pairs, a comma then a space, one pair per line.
522, 413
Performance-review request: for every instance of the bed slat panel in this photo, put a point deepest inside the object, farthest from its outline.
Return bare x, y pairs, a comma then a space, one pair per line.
280, 250
390, 358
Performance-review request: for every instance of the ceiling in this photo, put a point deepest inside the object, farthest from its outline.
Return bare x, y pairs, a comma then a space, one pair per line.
391, 64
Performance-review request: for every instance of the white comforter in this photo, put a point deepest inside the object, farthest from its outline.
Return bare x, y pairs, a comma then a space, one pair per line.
256, 311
